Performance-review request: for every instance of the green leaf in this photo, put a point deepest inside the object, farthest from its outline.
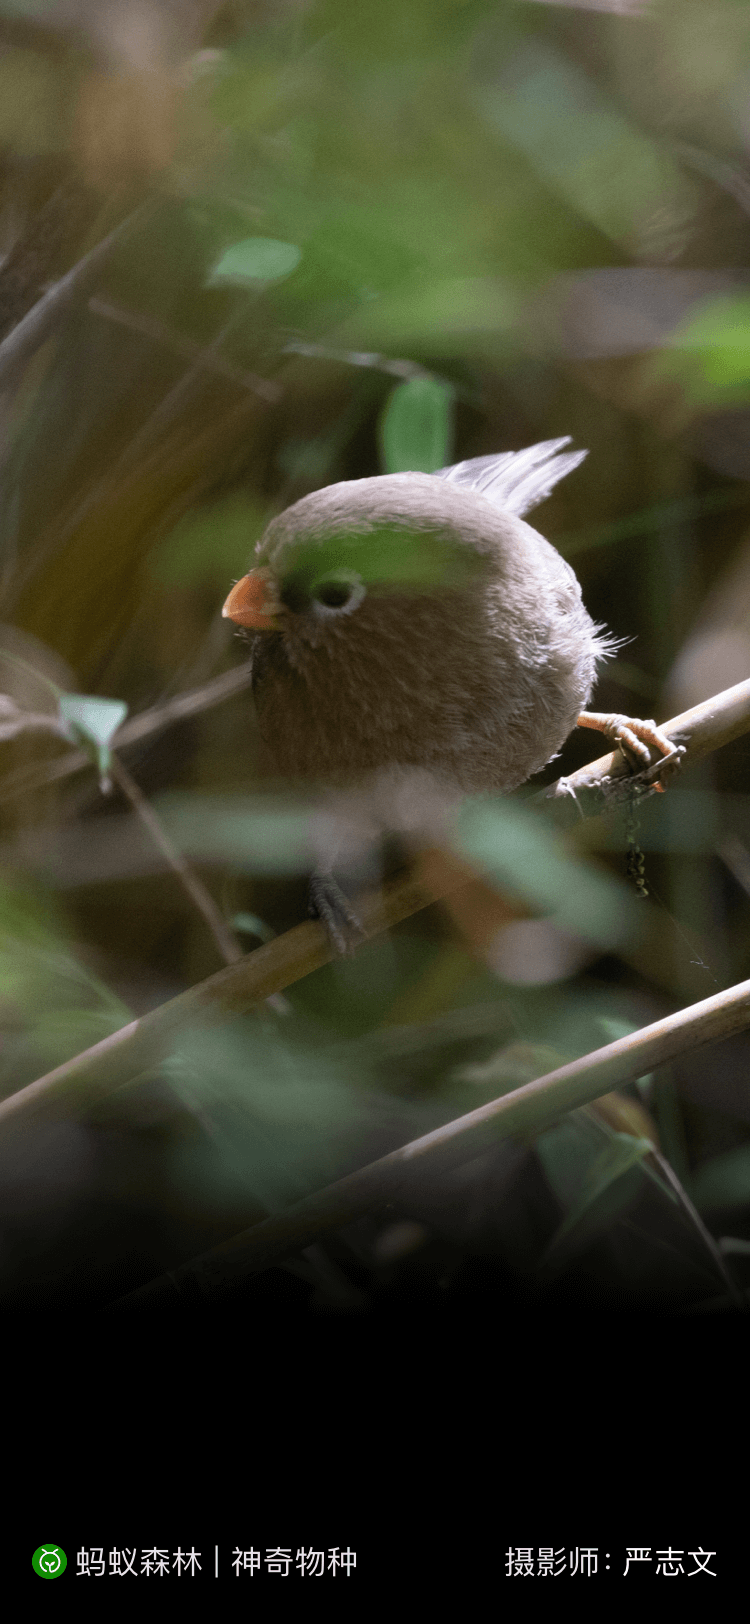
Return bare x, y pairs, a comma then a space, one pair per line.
717, 336
282, 1117
416, 427
92, 722
708, 354
52, 1005
440, 317
255, 259
577, 139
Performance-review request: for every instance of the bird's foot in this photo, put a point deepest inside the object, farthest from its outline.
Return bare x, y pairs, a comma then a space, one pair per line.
328, 903
636, 740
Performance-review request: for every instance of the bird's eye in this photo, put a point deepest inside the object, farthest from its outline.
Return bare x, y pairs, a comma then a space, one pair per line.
343, 590
333, 594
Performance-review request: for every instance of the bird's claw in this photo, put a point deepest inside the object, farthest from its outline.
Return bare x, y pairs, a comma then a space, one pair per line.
328, 903
653, 776
636, 739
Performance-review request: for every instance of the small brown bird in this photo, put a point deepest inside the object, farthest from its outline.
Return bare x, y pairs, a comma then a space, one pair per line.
414, 621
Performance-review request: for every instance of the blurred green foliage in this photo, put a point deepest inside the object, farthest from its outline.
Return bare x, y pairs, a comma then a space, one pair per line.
514, 847
383, 556
265, 835
592, 1181
711, 353
723, 1182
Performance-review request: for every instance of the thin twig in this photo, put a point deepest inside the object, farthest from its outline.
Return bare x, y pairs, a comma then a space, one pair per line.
735, 854
227, 943
204, 358
358, 358
14, 722
731, 179
26, 779
526, 1111
188, 704
18, 346
696, 1222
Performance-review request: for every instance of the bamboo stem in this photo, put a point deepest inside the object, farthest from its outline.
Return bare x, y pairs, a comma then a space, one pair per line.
705, 728
527, 1110
141, 1044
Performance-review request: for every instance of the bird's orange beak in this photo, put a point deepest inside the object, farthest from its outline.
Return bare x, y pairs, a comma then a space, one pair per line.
253, 603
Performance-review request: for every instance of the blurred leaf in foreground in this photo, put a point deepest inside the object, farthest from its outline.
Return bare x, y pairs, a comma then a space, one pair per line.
709, 353
262, 834
387, 558
280, 1117
593, 1184
576, 137
518, 852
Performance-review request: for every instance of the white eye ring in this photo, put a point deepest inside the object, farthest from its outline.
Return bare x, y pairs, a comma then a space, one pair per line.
344, 590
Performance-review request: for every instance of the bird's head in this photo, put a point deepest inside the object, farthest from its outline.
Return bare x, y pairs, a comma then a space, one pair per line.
343, 550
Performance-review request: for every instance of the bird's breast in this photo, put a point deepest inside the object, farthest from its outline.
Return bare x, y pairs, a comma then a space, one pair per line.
452, 684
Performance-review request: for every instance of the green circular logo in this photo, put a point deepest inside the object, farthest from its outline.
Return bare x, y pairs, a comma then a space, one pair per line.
49, 1561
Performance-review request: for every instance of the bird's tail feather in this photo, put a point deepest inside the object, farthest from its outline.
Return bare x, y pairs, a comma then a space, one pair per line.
516, 481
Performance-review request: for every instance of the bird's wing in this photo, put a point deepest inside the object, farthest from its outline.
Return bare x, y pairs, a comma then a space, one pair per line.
516, 481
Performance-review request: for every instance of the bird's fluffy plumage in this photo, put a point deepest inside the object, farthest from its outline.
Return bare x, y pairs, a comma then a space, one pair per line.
473, 662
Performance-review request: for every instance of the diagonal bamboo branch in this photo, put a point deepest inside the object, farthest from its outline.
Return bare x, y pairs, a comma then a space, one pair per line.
705, 728
200, 355
141, 1045
527, 1110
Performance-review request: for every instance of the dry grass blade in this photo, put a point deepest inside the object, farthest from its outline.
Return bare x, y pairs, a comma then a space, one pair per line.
36, 326
224, 938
